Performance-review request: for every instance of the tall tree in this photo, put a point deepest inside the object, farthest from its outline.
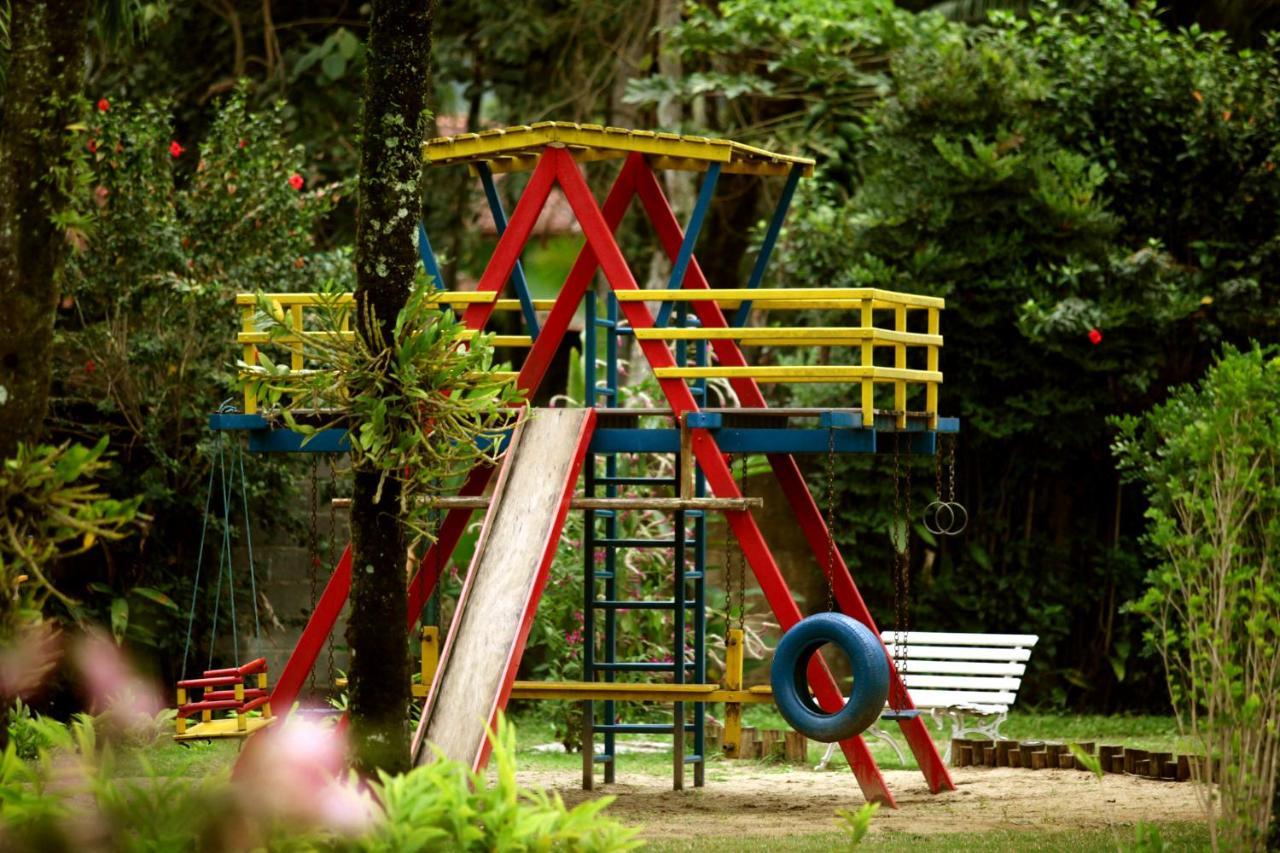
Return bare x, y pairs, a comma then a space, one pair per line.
394, 124
45, 74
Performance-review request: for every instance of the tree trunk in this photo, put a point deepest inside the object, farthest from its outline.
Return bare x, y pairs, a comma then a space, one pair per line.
42, 96
394, 125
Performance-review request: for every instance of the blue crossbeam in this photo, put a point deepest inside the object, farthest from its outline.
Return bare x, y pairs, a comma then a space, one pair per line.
770, 240
685, 255
518, 279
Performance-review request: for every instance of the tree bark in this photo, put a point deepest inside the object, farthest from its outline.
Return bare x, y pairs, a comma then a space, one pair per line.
42, 97
397, 82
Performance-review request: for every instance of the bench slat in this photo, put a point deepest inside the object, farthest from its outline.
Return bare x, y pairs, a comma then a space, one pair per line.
963, 667
938, 638
1004, 655
947, 698
960, 682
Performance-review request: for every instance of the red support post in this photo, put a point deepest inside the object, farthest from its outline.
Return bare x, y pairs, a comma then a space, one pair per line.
708, 454
787, 471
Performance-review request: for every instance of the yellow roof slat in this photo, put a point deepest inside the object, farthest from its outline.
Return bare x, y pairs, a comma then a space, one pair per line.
592, 142
850, 295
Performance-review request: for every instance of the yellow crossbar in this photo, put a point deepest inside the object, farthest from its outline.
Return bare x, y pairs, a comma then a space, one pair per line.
790, 336
446, 298
800, 373
598, 691
266, 338
846, 296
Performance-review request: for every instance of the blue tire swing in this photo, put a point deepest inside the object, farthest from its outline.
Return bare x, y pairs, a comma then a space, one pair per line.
789, 674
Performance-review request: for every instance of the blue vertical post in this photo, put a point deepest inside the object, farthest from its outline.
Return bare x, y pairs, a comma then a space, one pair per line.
770, 240
429, 262
685, 254
500, 224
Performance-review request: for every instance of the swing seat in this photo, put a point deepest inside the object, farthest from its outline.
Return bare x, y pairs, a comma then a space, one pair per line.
225, 690
789, 676
899, 715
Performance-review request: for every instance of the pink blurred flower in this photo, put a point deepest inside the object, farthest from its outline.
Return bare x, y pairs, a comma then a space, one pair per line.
296, 773
28, 660
115, 688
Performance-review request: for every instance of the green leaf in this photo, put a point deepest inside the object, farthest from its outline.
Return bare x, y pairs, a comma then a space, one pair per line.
119, 618
155, 595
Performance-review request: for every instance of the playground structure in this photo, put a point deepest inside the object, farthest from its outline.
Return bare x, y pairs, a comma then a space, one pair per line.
695, 334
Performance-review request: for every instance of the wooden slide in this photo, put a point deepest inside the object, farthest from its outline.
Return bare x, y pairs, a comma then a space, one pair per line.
500, 595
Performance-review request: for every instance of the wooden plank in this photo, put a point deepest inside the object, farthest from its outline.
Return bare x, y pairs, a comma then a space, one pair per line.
941, 638
947, 698
504, 583
732, 742
670, 504
913, 653
960, 682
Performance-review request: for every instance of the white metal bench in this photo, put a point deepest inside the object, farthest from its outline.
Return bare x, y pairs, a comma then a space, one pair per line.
972, 679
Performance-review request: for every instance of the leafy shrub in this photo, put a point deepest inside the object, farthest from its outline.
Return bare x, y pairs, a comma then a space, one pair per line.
173, 227
439, 806
1209, 462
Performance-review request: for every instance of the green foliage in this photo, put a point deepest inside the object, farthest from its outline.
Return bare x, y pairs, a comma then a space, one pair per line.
145, 324
52, 507
442, 805
423, 409
857, 823
1209, 462
1049, 176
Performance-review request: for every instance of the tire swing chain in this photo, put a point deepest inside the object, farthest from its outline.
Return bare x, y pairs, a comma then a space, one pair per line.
313, 542
735, 561
831, 519
901, 573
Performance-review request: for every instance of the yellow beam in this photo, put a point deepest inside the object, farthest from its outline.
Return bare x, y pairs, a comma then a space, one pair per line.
892, 299
800, 373
446, 298
791, 335
286, 340
577, 691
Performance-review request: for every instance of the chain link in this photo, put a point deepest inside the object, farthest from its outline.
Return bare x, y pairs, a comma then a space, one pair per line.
831, 519
333, 556
951, 443
741, 557
901, 518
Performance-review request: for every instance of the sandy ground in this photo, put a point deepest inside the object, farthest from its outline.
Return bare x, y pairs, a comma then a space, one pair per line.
750, 802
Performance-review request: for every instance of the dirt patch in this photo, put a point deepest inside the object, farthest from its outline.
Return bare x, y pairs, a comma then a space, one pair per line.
745, 801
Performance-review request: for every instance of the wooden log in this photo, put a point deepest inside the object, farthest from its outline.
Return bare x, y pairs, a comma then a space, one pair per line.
1141, 767
1117, 763
980, 744
1158, 761
1066, 761
1015, 758
1003, 749
1106, 754
1184, 768
796, 748
988, 756
769, 738
961, 753
750, 746
1132, 757
1039, 759
1169, 771
1086, 745
1054, 751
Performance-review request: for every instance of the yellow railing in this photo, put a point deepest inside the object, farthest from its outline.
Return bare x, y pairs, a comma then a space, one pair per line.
883, 323
294, 311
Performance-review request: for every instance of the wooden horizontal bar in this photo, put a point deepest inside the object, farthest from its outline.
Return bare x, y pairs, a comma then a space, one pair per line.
801, 373
594, 691
790, 335
851, 295
669, 504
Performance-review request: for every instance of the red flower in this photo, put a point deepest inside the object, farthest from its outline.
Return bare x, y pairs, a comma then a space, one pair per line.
175, 149
1095, 337
90, 366
243, 143
103, 105
295, 181
92, 145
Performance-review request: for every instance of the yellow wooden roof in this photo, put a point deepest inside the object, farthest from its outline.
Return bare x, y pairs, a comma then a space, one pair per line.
516, 149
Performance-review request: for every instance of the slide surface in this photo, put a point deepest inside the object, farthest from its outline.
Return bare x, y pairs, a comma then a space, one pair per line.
504, 583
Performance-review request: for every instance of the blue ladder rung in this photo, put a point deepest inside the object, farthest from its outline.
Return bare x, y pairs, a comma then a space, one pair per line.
905, 714
607, 604
637, 543
640, 728
602, 757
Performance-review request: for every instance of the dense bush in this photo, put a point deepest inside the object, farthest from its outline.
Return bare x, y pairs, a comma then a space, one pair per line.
1209, 463
1096, 196
172, 229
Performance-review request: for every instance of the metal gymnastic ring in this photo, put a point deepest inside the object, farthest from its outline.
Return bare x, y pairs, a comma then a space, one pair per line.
933, 513
955, 506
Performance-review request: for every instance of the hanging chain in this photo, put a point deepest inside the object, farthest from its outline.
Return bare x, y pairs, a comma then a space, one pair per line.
741, 557
951, 446
831, 519
313, 548
901, 519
